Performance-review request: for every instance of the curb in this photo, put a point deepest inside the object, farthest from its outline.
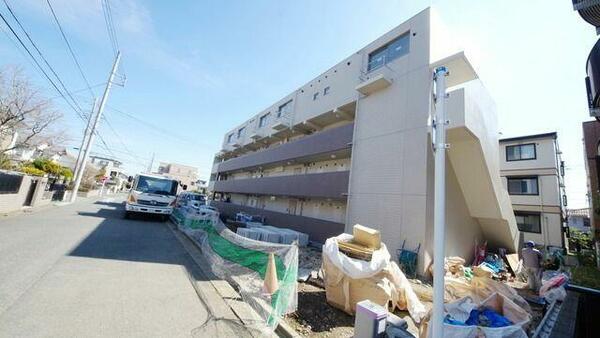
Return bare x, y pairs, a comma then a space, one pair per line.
227, 292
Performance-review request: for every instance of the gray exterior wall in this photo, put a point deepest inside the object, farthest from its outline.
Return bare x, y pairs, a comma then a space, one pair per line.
326, 185
323, 142
318, 229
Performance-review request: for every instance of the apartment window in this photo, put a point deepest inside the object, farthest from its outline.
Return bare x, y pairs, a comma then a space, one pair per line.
326, 91
523, 185
315, 96
521, 152
393, 50
229, 138
284, 108
528, 222
240, 132
263, 120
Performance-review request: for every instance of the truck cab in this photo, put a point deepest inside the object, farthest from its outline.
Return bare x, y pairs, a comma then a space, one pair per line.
151, 194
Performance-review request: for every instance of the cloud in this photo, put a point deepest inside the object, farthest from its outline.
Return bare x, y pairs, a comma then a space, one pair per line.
84, 20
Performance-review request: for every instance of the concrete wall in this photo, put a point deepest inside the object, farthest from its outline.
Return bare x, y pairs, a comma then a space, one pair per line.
388, 177
14, 202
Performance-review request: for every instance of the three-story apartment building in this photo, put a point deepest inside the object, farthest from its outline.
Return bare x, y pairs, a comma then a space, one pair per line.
353, 145
533, 174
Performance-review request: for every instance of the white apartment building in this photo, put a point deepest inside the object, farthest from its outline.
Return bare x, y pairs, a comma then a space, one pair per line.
533, 173
353, 145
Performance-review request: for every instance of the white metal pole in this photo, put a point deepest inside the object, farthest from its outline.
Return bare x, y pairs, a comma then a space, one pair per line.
83, 141
439, 216
94, 126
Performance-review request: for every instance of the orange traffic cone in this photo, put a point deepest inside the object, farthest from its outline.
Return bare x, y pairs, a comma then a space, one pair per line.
271, 284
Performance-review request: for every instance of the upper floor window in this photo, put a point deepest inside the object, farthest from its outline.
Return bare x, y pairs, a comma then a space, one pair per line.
393, 50
229, 138
315, 96
523, 185
284, 108
326, 91
521, 152
263, 120
240, 132
528, 222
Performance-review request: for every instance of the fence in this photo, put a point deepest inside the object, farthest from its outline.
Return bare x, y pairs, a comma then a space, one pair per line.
18, 190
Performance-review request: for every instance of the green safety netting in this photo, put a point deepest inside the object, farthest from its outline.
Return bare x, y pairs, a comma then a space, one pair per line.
243, 262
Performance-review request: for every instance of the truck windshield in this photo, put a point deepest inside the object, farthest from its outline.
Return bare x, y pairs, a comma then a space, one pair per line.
153, 185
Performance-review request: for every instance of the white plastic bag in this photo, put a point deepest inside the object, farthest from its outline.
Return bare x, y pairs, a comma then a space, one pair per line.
355, 268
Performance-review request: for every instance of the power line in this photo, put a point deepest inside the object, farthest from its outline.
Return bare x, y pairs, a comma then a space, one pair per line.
38, 51
70, 48
110, 28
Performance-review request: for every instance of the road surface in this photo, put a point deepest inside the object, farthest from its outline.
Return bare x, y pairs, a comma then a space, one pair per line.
81, 270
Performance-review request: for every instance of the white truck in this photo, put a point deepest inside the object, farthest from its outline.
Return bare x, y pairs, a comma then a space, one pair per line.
151, 194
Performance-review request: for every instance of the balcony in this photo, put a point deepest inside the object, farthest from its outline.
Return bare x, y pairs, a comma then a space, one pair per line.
318, 230
324, 185
325, 142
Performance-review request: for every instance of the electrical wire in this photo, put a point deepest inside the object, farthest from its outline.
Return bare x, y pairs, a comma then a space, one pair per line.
62, 32
112, 36
38, 51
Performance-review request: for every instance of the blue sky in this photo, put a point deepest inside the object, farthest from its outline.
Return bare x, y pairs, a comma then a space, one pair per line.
195, 69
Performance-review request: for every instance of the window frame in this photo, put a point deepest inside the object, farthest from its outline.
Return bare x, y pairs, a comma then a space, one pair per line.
537, 185
240, 132
280, 110
326, 90
230, 138
520, 145
385, 52
315, 96
264, 119
530, 213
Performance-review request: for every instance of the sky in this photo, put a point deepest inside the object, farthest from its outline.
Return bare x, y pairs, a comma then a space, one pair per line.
195, 69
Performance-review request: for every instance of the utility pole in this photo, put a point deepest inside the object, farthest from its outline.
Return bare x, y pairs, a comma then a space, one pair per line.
151, 163
90, 140
85, 137
439, 212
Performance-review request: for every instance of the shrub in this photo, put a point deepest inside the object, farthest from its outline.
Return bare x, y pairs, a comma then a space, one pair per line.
32, 171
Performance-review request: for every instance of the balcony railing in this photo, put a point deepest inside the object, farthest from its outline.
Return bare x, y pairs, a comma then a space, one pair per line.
320, 143
324, 185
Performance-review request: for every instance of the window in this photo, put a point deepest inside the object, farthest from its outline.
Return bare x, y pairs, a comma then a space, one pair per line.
393, 50
240, 132
521, 152
325, 91
523, 185
528, 222
284, 108
263, 120
315, 96
229, 138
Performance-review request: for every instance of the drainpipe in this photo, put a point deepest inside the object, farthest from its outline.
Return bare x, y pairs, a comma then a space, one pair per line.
439, 216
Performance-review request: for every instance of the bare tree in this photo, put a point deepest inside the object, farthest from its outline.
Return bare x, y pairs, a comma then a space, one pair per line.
24, 111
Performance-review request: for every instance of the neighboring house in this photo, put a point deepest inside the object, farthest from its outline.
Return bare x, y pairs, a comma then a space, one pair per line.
591, 144
579, 219
353, 146
185, 174
533, 174
113, 171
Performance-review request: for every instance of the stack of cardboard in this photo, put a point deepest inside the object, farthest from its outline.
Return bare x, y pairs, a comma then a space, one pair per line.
365, 241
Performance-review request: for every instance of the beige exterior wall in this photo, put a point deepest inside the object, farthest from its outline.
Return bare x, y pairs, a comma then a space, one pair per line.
14, 202
548, 203
391, 163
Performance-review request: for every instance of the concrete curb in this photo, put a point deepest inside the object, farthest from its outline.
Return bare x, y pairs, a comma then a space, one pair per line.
241, 309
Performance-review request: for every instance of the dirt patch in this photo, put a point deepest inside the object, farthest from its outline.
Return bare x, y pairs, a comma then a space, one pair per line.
316, 318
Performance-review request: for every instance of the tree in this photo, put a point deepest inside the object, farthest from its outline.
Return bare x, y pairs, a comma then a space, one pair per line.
24, 111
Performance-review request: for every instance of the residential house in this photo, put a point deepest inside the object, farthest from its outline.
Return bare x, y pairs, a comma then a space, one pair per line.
353, 145
533, 174
579, 219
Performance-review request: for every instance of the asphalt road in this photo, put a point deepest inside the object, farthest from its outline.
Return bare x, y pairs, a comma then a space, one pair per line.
82, 270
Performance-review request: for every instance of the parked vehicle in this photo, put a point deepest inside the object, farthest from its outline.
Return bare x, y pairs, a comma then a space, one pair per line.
190, 199
151, 194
